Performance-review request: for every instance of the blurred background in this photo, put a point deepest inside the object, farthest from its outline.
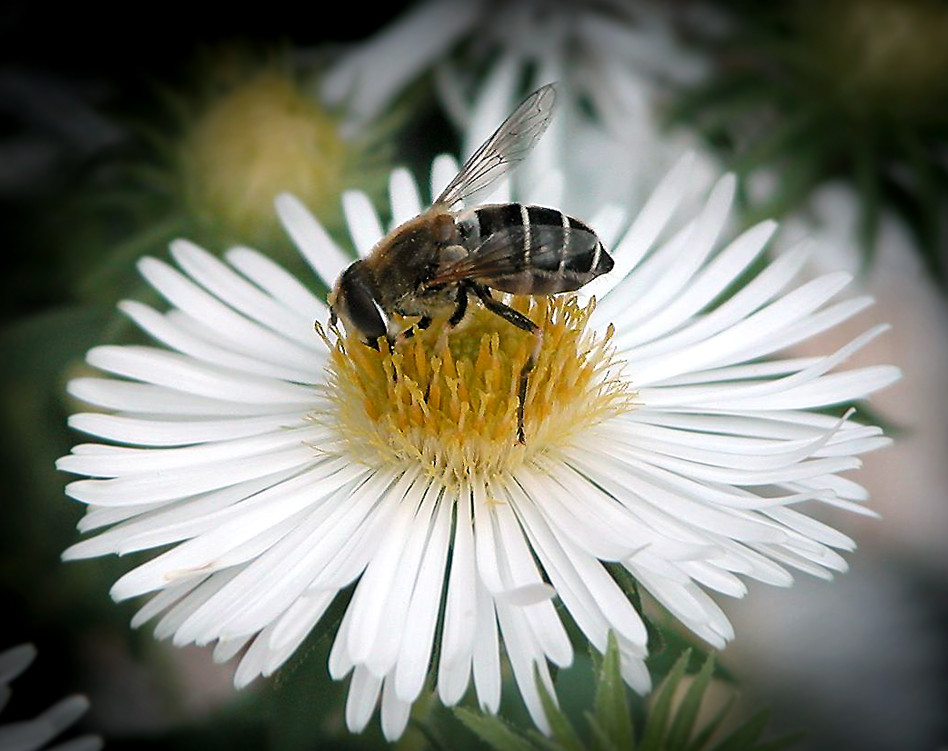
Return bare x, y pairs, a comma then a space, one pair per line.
119, 133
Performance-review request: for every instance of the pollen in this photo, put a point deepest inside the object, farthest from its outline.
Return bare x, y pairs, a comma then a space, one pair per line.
450, 403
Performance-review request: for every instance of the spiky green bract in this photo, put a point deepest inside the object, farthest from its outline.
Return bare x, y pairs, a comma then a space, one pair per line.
493, 731
810, 92
670, 718
610, 719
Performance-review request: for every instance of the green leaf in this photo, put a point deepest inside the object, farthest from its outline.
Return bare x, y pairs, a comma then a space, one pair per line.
601, 739
560, 726
611, 703
431, 737
687, 713
657, 723
704, 735
493, 731
747, 734
548, 744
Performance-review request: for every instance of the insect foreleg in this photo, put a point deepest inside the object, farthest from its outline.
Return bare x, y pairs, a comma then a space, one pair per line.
460, 310
423, 323
521, 322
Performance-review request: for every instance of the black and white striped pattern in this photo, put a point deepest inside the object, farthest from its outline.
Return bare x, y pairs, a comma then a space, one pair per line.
560, 266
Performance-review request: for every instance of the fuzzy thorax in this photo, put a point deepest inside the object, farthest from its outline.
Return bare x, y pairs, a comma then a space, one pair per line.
453, 409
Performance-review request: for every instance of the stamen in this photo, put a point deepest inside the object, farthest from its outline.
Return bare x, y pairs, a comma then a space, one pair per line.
455, 410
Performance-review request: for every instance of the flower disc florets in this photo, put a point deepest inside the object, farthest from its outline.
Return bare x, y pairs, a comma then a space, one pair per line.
452, 405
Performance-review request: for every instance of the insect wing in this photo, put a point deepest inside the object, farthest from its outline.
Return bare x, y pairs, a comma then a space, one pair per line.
533, 259
509, 146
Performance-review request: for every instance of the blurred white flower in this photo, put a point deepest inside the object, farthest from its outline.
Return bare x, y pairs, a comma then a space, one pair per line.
664, 436
36, 733
616, 62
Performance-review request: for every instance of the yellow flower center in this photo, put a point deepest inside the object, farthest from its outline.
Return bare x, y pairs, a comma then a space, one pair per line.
454, 411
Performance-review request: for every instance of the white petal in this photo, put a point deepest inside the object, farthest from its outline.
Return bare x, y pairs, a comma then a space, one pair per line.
679, 259
278, 283
317, 247
523, 654
707, 285
369, 76
443, 169
173, 522
230, 328
148, 399
590, 595
268, 509
154, 432
745, 301
284, 571
364, 225
460, 615
363, 696
97, 460
178, 331
723, 348
231, 288
415, 653
394, 712
521, 571
14, 661
150, 487
385, 648
175, 371
486, 657
651, 220
403, 197
371, 595
297, 621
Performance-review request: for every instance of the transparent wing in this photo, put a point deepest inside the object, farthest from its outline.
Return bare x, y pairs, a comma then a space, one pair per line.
509, 145
510, 257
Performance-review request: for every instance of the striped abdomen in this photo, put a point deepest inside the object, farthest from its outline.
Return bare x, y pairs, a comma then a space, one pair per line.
530, 250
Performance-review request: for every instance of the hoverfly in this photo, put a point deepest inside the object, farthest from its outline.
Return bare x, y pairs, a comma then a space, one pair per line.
432, 264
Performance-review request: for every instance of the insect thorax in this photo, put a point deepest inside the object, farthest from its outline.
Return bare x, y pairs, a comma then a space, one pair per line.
410, 255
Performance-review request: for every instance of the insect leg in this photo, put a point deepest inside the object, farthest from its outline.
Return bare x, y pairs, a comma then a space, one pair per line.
457, 316
521, 322
423, 323
461, 310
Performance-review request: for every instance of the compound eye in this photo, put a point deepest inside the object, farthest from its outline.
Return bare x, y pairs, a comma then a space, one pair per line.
362, 309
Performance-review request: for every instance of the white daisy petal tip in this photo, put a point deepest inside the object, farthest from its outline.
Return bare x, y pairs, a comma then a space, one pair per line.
530, 594
182, 247
285, 200
146, 264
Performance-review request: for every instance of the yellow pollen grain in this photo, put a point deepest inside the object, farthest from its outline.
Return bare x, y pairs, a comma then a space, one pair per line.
454, 411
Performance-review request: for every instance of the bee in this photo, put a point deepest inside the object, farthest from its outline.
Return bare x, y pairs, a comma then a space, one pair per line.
431, 265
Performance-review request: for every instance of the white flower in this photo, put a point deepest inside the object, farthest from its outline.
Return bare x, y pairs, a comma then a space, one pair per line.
664, 436
616, 63
36, 733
